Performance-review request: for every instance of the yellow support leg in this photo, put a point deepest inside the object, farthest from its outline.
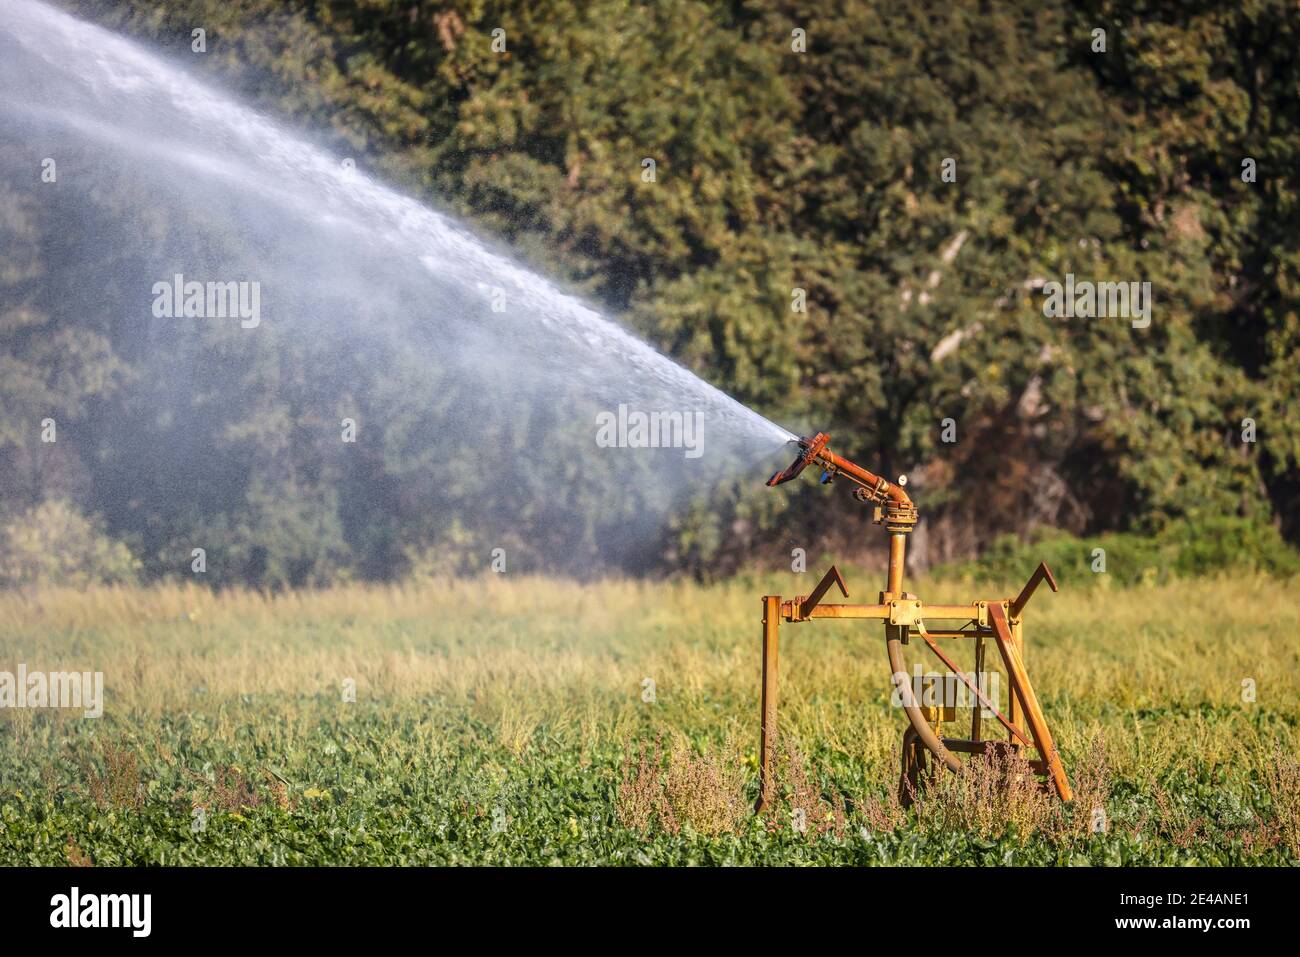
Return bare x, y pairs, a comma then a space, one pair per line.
767, 733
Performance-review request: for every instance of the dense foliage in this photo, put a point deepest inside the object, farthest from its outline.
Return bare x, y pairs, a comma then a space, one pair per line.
778, 170
1181, 550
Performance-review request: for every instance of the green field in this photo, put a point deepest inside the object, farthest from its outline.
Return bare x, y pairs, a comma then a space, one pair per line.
502, 721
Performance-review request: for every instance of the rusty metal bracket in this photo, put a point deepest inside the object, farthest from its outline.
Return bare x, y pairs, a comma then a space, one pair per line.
904, 611
1041, 573
805, 606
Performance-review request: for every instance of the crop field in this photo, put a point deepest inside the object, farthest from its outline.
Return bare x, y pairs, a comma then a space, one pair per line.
510, 721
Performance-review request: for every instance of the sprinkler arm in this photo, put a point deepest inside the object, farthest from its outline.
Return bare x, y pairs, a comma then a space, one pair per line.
872, 487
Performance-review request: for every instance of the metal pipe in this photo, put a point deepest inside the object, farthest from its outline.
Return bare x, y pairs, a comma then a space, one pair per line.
932, 613
767, 718
897, 555
863, 477
813, 449
894, 645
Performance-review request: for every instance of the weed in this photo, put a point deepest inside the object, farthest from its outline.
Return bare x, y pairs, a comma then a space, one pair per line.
117, 785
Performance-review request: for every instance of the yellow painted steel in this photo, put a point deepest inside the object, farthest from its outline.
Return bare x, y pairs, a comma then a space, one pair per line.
903, 614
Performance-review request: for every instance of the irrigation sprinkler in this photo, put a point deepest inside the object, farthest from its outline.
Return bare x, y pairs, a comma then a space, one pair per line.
1001, 620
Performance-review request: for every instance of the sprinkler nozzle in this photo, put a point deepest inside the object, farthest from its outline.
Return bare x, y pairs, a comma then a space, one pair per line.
809, 448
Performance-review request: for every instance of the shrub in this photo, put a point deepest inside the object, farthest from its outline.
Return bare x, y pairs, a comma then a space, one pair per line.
1186, 549
118, 784
54, 544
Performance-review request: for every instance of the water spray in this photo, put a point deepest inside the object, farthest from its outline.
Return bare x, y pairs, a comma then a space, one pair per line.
925, 748
391, 312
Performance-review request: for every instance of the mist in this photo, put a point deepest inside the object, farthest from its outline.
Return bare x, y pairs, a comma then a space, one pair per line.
298, 339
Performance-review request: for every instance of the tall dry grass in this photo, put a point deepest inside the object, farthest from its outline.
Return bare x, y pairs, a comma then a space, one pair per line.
1157, 673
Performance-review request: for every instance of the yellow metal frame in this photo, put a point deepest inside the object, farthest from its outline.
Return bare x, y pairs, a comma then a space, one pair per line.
1000, 620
